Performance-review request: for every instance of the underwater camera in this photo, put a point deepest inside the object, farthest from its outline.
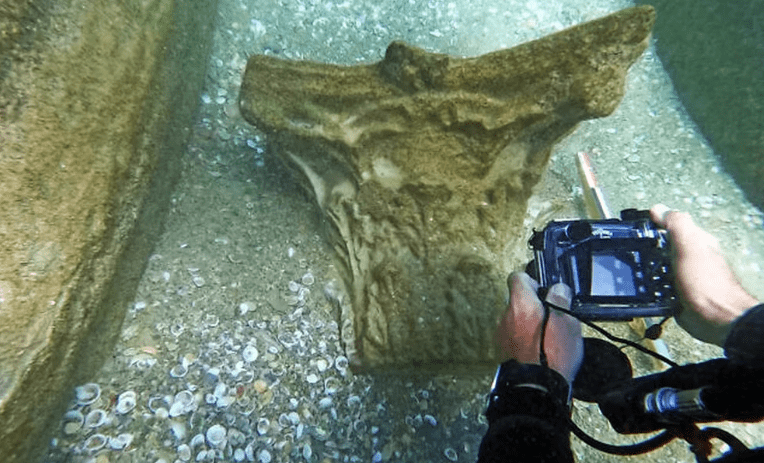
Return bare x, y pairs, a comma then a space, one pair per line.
617, 269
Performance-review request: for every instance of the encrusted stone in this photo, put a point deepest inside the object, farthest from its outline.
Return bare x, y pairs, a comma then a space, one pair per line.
93, 121
423, 164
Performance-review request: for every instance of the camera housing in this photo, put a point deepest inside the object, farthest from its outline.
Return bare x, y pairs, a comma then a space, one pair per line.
618, 269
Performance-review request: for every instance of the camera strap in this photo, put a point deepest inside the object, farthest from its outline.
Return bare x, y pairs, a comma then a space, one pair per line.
548, 305
544, 323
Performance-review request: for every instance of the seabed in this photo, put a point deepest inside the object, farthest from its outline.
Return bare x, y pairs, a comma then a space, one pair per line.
231, 350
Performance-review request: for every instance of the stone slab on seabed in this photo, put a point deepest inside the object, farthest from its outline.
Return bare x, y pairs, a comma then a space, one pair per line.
423, 164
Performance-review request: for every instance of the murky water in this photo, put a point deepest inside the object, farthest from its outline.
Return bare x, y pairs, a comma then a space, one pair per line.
231, 328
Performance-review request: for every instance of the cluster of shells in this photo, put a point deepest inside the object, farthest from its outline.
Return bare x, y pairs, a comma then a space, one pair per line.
242, 390
217, 401
89, 419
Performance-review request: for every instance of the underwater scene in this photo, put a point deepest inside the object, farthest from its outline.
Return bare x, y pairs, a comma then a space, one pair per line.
233, 348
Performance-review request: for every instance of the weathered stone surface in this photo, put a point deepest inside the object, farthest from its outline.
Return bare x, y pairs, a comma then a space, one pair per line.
92, 119
423, 164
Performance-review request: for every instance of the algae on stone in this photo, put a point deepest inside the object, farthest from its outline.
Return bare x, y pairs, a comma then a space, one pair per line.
423, 164
92, 125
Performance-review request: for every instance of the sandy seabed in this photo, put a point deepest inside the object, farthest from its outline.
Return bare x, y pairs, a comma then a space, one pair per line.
242, 266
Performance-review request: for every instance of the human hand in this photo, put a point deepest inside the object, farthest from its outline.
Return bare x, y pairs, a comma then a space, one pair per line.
519, 332
711, 295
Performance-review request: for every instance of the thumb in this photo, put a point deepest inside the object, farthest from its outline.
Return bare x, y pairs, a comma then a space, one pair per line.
561, 295
658, 214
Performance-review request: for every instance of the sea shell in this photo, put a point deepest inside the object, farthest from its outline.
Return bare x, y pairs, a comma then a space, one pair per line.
245, 307
178, 430
176, 409
235, 437
226, 401
248, 406
341, 364
331, 385
182, 404
87, 393
212, 375
414, 421
126, 402
308, 279
264, 456
249, 451
451, 454
143, 360
211, 320
287, 339
94, 443
96, 418
360, 426
120, 442
354, 401
263, 424
250, 353
184, 452
220, 390
321, 433
322, 365
246, 376
178, 371
307, 452
176, 328
156, 402
278, 369
72, 422
197, 440
216, 436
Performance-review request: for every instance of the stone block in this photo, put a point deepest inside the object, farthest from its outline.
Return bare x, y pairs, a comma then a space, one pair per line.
93, 119
423, 164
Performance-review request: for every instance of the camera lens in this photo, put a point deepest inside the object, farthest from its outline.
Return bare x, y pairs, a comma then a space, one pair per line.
578, 231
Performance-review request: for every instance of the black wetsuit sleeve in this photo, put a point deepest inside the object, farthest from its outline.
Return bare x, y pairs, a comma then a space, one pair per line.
745, 341
528, 416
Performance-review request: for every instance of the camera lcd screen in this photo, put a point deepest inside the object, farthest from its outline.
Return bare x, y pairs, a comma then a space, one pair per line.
612, 275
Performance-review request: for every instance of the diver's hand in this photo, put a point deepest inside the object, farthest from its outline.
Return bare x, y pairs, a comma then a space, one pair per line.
711, 295
519, 332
